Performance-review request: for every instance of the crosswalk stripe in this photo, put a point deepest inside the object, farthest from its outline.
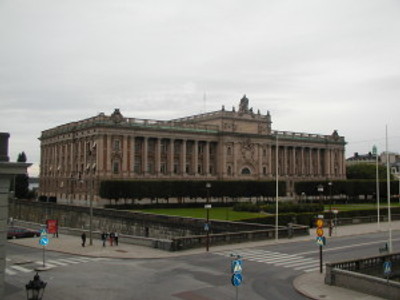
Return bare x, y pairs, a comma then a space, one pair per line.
45, 263
10, 272
299, 263
311, 270
79, 259
21, 269
56, 262
68, 261
8, 259
305, 267
295, 261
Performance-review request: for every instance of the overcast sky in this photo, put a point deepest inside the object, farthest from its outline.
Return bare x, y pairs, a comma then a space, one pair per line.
315, 65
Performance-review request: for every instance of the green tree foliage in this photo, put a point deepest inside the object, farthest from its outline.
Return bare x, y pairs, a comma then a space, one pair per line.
21, 180
365, 171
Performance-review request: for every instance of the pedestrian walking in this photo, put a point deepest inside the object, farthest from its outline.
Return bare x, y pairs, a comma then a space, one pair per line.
104, 238
83, 236
116, 238
112, 236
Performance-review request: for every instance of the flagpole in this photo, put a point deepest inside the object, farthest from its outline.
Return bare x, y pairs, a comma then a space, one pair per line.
375, 151
388, 191
276, 188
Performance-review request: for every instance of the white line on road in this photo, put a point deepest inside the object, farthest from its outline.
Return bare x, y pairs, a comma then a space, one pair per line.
348, 246
56, 262
10, 272
21, 269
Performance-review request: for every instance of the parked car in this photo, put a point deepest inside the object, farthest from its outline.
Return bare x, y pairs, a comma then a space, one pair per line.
21, 232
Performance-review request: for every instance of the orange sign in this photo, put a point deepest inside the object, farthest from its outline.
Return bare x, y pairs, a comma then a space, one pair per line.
320, 232
320, 223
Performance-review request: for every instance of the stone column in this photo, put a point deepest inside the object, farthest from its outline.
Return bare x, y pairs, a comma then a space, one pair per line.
145, 155
294, 161
318, 162
195, 157
221, 163
109, 151
303, 163
260, 160
124, 156
311, 162
171, 157
234, 151
206, 155
183, 157
285, 160
7, 172
158, 157
269, 153
133, 140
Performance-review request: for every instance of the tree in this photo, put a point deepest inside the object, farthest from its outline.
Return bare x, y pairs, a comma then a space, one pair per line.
21, 180
365, 171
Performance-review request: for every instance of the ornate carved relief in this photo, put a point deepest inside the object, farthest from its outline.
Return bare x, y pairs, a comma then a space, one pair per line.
248, 150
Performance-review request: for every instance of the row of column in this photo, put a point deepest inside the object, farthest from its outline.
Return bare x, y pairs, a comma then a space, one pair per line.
174, 161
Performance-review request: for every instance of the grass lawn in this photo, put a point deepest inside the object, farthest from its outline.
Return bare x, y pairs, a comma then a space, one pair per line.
217, 213
361, 206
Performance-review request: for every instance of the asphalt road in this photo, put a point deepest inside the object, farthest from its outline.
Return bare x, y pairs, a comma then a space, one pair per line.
268, 272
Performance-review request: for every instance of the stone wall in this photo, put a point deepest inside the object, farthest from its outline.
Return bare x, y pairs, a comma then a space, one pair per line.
359, 274
160, 231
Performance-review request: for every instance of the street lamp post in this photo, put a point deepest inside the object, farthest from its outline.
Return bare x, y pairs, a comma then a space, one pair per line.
35, 288
207, 225
330, 207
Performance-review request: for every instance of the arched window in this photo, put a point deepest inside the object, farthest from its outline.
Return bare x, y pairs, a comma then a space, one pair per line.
229, 151
229, 170
246, 171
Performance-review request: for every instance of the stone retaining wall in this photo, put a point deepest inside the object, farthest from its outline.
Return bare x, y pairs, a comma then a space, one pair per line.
158, 231
352, 275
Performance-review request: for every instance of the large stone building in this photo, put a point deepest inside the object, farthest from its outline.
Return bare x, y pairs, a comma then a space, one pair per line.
219, 145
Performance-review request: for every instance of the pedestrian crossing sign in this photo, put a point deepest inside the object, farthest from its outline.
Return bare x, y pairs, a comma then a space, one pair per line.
387, 267
236, 266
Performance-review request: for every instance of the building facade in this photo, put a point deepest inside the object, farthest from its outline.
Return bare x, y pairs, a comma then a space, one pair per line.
219, 145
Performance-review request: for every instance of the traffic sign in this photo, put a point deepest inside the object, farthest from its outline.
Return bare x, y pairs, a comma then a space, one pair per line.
320, 223
206, 227
320, 231
237, 279
387, 267
321, 240
43, 241
236, 266
43, 232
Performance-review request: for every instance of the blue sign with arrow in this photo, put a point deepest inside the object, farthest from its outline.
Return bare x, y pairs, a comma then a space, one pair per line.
237, 279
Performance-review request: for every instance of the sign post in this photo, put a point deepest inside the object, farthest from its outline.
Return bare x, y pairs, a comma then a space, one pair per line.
44, 241
321, 241
236, 270
387, 269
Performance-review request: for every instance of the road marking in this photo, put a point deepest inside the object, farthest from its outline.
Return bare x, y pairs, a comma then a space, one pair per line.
21, 269
348, 246
68, 261
79, 259
56, 262
10, 272
46, 264
275, 258
305, 267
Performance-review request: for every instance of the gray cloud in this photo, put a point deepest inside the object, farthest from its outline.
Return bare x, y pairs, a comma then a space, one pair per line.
317, 66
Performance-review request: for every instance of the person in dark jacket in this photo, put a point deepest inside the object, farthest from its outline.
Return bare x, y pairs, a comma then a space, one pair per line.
83, 236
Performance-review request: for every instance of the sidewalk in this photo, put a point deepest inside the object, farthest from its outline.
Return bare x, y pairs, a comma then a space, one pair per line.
309, 284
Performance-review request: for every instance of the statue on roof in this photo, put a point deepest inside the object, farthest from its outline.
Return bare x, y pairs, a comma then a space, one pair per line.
244, 104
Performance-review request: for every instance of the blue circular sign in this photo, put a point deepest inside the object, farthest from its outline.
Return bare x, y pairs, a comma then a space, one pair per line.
237, 279
44, 241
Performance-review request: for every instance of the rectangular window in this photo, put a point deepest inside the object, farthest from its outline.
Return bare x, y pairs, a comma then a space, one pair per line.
116, 167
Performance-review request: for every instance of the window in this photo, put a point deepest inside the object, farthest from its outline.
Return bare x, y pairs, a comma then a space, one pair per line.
264, 152
117, 145
264, 170
229, 170
116, 167
229, 151
246, 171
